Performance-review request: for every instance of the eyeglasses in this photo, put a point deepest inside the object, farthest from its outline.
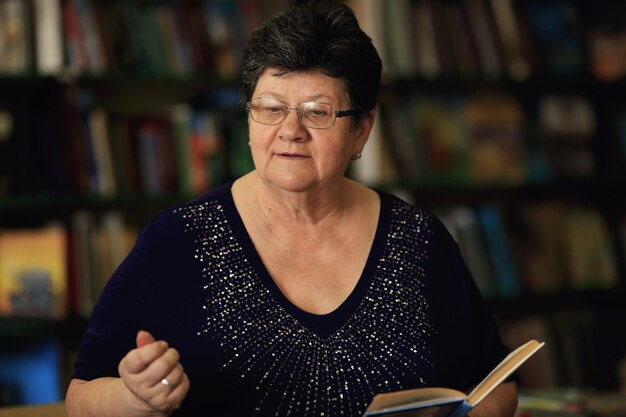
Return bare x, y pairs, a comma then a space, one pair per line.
313, 114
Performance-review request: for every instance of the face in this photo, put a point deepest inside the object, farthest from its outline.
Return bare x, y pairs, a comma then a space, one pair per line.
293, 157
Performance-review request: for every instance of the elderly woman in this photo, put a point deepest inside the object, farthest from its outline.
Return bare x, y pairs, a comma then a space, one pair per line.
291, 290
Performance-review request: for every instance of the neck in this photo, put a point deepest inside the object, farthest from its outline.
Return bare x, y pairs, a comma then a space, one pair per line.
301, 208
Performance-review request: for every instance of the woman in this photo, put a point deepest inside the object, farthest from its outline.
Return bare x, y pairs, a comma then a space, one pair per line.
291, 290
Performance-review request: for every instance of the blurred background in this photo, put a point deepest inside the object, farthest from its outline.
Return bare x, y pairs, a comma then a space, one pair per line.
505, 117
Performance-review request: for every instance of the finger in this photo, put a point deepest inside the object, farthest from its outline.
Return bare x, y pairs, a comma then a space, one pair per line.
173, 378
163, 366
143, 338
179, 393
137, 360
171, 397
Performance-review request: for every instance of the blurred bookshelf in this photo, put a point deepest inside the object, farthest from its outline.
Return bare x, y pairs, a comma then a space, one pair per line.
507, 118
110, 111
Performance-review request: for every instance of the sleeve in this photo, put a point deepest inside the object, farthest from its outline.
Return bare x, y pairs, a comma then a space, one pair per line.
118, 314
469, 341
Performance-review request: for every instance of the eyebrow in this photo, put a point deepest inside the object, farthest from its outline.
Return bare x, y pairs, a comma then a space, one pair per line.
280, 97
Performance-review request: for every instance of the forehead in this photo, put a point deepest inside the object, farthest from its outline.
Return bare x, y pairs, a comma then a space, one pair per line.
299, 86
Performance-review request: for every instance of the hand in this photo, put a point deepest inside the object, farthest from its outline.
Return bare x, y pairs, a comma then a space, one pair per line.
154, 376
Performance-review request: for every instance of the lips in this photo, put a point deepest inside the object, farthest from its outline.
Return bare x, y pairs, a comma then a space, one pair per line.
291, 155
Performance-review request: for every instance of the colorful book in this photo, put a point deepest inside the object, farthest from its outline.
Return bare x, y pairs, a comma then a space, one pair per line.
441, 135
495, 131
499, 249
33, 272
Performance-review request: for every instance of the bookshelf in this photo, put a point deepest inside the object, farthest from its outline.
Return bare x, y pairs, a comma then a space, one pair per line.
541, 99
528, 127
109, 112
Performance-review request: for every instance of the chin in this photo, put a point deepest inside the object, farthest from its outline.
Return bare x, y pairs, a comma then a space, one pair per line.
292, 182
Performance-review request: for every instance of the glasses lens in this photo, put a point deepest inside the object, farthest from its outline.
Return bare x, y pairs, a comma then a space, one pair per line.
316, 115
267, 110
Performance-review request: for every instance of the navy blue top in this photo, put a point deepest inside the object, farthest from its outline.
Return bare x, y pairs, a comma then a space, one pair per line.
194, 279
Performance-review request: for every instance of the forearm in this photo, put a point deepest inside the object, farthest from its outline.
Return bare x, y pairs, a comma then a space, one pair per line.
501, 402
103, 397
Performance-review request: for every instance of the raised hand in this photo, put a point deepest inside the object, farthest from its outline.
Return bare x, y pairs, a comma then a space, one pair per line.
154, 376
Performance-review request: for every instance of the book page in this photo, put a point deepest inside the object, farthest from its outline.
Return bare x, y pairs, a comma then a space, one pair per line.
503, 370
442, 410
411, 398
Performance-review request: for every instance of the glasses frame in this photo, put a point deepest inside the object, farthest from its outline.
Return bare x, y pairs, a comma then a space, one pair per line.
336, 113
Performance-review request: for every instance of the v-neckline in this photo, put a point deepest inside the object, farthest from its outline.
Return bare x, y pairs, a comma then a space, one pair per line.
323, 325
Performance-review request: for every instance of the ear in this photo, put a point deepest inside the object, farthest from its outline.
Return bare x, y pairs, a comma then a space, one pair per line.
364, 130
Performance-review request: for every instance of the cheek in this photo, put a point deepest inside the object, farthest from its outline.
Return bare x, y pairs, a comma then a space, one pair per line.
259, 138
337, 154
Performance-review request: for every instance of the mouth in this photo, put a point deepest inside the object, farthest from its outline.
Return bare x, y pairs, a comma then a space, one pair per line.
290, 155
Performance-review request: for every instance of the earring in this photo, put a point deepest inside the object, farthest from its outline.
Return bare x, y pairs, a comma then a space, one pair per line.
356, 156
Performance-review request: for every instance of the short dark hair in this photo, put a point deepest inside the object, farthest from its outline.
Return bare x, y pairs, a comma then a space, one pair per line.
316, 35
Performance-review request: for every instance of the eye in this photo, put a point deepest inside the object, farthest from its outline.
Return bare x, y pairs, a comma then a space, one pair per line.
317, 111
274, 109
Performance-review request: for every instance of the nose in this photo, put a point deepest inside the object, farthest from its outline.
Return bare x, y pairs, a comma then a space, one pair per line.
291, 128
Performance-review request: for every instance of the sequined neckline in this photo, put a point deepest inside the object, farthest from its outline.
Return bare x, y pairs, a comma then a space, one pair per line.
323, 325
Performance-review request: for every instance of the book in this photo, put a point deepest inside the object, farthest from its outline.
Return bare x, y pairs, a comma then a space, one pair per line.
568, 125
15, 45
440, 133
495, 134
462, 43
474, 249
33, 272
48, 36
398, 37
509, 32
100, 144
606, 61
540, 248
428, 62
447, 402
404, 149
91, 38
498, 245
591, 261
483, 30
555, 30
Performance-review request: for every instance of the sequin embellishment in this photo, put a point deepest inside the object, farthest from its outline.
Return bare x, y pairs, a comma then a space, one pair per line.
291, 370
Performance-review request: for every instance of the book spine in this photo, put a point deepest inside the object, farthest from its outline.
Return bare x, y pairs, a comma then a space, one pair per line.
461, 410
498, 245
49, 36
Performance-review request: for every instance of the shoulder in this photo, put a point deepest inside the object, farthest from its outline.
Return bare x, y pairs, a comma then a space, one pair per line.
172, 224
420, 221
191, 211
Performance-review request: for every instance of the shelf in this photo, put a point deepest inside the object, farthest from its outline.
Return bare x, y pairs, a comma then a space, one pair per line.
35, 211
567, 300
27, 328
589, 189
537, 82
37, 202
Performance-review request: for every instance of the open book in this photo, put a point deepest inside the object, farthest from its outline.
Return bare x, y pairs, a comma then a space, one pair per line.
446, 402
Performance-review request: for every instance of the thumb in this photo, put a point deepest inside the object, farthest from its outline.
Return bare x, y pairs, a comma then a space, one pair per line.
144, 338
